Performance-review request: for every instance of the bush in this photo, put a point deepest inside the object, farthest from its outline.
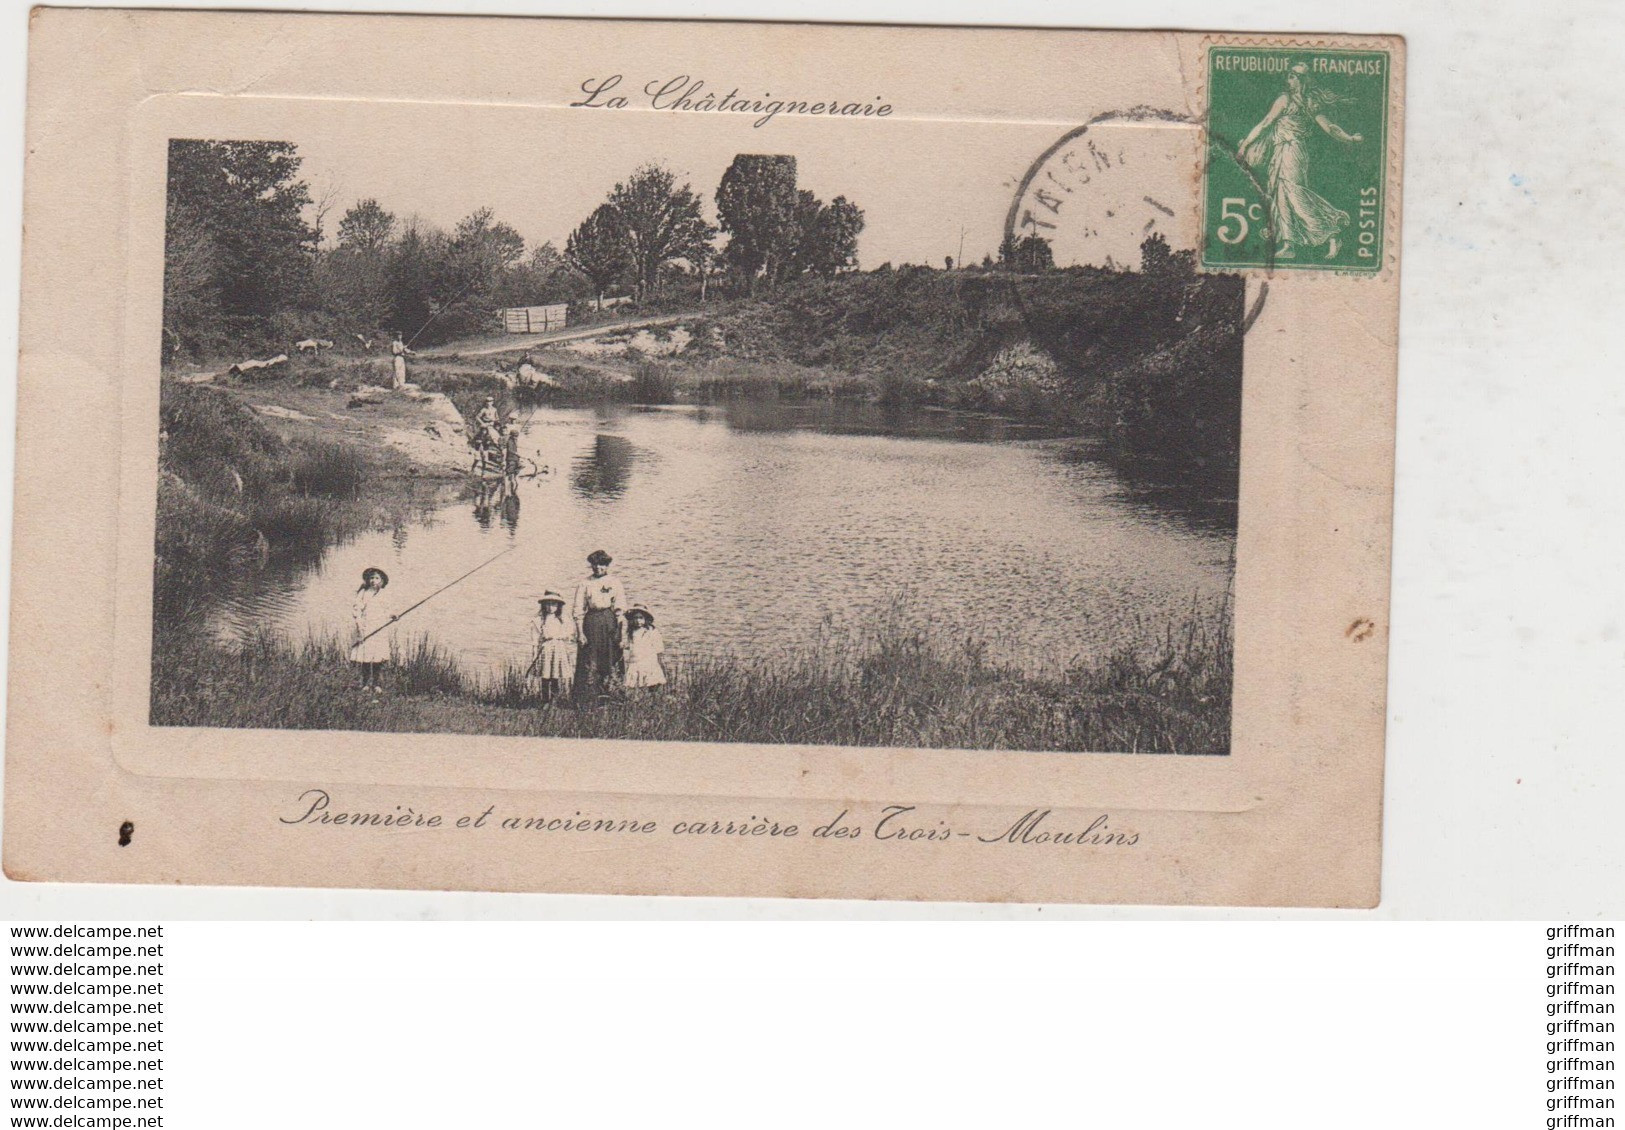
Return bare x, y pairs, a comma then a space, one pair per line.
652, 382
215, 444
232, 495
289, 326
197, 543
295, 528
426, 668
327, 469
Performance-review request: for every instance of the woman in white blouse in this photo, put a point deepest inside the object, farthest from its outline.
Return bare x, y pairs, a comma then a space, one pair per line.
597, 608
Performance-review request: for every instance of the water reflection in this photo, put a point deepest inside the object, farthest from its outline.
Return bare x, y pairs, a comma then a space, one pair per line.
497, 498
603, 470
1202, 498
867, 418
744, 533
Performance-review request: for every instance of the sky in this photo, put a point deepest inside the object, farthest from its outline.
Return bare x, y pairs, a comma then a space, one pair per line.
925, 185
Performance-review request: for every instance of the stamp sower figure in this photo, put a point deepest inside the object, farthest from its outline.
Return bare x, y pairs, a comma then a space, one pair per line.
597, 610
555, 636
371, 649
400, 353
642, 650
1298, 214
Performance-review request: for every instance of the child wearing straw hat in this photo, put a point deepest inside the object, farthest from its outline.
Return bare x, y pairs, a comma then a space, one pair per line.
642, 650
371, 649
555, 636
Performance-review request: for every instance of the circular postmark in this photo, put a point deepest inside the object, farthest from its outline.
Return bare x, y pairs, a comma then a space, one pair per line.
1100, 257
1123, 186
1100, 189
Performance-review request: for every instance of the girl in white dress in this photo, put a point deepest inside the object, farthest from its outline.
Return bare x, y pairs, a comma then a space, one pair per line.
555, 639
641, 651
371, 648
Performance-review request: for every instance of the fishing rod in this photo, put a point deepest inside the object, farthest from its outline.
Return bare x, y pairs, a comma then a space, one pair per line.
402, 614
459, 297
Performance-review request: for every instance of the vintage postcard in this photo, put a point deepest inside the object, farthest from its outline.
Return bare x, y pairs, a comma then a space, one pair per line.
704, 458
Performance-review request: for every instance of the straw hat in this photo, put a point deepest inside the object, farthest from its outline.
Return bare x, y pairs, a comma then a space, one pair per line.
372, 571
640, 610
550, 597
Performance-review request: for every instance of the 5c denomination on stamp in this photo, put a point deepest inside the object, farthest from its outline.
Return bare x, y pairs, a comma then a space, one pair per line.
1297, 158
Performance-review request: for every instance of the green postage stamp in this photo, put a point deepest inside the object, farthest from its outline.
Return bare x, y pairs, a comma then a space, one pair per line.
1297, 158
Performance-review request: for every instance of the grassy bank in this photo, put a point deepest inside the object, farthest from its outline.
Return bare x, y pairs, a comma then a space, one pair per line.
898, 683
1147, 363
234, 497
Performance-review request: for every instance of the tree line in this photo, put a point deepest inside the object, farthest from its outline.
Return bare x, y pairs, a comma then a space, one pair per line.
248, 262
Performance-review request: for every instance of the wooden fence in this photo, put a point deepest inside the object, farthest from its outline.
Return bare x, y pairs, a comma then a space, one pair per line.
534, 319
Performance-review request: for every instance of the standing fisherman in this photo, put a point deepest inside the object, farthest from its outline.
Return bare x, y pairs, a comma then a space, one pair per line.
597, 608
371, 650
490, 422
511, 463
398, 349
372, 646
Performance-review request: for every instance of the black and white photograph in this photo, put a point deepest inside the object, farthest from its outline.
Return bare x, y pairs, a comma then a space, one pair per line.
717, 432
793, 565
596, 423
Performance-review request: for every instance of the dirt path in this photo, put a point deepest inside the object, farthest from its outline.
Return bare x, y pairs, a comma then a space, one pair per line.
487, 344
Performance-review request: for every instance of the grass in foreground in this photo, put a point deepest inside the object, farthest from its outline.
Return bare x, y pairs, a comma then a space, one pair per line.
897, 684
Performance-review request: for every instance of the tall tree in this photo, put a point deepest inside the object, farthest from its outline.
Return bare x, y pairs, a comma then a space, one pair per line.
352, 281
1030, 254
415, 276
482, 251
704, 260
247, 197
802, 244
756, 203
191, 297
843, 224
1157, 258
546, 260
320, 208
543, 276
486, 244
662, 223
826, 236
366, 227
598, 249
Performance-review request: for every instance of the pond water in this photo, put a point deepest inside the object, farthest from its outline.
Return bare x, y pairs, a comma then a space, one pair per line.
746, 527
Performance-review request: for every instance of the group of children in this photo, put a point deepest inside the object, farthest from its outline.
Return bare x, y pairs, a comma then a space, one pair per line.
598, 641
587, 648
